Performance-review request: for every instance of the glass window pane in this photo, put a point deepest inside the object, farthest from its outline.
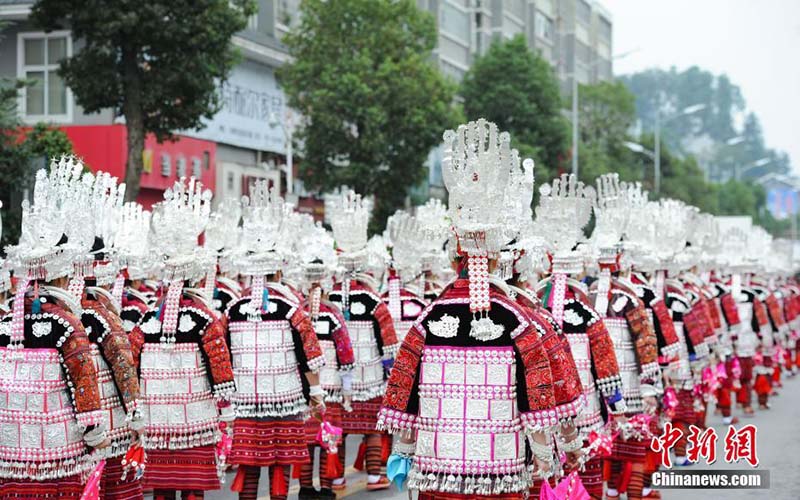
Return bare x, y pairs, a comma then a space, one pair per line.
56, 94
56, 50
34, 51
34, 93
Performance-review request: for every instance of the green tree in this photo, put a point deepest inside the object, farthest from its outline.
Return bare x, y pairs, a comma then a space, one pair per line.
373, 102
607, 112
157, 63
669, 91
22, 152
515, 88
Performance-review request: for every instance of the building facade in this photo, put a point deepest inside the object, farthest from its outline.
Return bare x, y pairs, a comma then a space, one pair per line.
574, 36
248, 136
245, 140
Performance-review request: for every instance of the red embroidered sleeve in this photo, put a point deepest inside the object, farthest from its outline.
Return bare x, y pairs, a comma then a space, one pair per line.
602, 349
644, 339
760, 313
79, 366
117, 352
693, 322
666, 327
386, 327
730, 309
395, 413
136, 340
341, 339
713, 311
216, 350
774, 309
567, 388
538, 375
301, 322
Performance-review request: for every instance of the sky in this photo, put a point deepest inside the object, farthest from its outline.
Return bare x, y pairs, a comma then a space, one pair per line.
755, 42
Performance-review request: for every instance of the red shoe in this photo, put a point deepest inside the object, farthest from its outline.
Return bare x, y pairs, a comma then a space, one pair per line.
339, 487
382, 484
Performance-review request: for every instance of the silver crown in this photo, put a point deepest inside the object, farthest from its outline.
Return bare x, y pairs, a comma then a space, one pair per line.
46, 221
349, 214
131, 247
564, 209
175, 226
476, 166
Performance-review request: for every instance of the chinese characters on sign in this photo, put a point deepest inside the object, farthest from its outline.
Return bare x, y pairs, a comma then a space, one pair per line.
702, 443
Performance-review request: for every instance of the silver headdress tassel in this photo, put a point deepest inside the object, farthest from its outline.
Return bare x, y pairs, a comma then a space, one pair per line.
349, 216
476, 166
564, 209
175, 226
612, 212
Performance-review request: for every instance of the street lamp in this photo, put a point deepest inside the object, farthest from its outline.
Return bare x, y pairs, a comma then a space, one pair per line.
638, 148
685, 111
575, 102
287, 125
758, 163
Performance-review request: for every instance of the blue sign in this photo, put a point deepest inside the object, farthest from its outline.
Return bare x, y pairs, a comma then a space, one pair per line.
782, 202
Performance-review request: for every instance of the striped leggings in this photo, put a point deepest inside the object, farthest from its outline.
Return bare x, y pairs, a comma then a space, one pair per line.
252, 474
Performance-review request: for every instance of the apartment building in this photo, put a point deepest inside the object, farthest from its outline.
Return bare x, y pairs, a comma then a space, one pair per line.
247, 139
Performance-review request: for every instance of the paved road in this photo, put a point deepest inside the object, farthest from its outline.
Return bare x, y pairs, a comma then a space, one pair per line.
778, 451
778, 447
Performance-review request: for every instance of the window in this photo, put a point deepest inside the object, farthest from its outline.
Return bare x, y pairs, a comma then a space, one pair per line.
454, 21
38, 56
166, 165
252, 22
180, 166
544, 27
197, 172
584, 12
517, 8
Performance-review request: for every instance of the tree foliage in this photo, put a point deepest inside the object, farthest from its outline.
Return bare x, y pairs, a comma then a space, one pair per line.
22, 152
515, 88
373, 102
706, 132
157, 63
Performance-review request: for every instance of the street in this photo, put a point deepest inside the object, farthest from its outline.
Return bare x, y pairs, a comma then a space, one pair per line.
778, 439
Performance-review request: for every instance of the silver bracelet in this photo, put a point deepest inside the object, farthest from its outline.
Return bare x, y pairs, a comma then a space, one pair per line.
574, 445
541, 451
402, 448
316, 391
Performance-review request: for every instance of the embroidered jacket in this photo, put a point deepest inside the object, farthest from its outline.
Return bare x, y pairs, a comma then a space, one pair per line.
635, 344
182, 381
660, 318
272, 345
134, 307
372, 336
593, 353
692, 340
747, 340
567, 386
50, 394
408, 307
471, 400
331, 330
116, 371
